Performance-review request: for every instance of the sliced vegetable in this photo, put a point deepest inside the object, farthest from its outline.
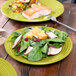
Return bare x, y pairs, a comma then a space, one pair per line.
17, 41
51, 35
19, 5
54, 50
28, 50
35, 36
56, 32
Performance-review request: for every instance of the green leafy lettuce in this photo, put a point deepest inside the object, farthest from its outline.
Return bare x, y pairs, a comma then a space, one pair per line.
35, 54
15, 35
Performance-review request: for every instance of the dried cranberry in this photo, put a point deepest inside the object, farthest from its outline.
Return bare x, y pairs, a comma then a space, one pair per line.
14, 10
18, 48
26, 39
35, 39
38, 40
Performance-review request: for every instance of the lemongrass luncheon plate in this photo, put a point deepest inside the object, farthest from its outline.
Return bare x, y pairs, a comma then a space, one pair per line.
66, 49
56, 6
6, 68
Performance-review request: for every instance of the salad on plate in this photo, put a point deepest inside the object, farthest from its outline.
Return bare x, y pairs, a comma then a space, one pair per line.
38, 43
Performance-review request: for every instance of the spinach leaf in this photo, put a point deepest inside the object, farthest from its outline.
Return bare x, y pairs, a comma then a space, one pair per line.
44, 49
43, 42
27, 30
24, 56
38, 44
44, 28
35, 54
13, 39
34, 44
60, 39
16, 34
44, 55
55, 40
56, 44
24, 45
24, 36
63, 35
15, 53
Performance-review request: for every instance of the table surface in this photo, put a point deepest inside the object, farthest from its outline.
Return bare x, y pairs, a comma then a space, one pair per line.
66, 67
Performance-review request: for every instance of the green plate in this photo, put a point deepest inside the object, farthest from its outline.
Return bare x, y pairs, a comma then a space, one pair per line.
56, 6
6, 68
52, 59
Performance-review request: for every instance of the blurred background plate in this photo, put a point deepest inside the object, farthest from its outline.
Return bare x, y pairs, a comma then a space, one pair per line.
6, 68
56, 6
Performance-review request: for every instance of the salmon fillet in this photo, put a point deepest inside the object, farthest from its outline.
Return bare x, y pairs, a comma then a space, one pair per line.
36, 11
